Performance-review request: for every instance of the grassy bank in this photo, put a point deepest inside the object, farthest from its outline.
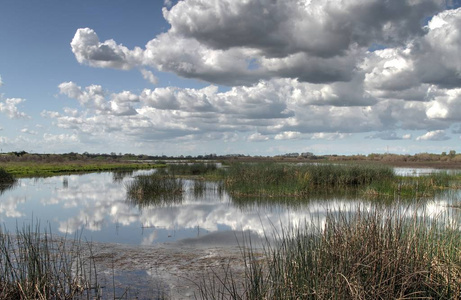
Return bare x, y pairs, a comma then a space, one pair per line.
366, 255
31, 169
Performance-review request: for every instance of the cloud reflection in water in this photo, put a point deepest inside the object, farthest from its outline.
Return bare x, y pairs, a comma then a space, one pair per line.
97, 204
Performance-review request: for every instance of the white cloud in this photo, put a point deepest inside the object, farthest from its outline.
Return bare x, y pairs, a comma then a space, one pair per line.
28, 131
149, 76
436, 135
257, 137
329, 136
389, 135
60, 138
9, 107
445, 105
288, 135
240, 43
295, 69
89, 50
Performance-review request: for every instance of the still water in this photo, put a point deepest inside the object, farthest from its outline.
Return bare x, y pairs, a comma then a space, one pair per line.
151, 250
95, 205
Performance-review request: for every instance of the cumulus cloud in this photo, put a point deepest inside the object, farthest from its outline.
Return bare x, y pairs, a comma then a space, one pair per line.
436, 135
149, 76
9, 107
429, 59
316, 69
108, 54
1, 82
388, 135
288, 135
330, 136
239, 43
59, 138
257, 137
446, 105
28, 131
282, 28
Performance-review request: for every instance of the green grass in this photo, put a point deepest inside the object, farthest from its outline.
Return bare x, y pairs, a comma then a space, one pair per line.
366, 255
414, 187
31, 169
155, 189
272, 180
192, 169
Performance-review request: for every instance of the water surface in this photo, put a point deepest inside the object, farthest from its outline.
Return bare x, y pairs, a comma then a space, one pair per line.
96, 206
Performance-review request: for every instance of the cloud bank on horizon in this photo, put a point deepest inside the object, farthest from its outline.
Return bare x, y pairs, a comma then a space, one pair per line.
275, 72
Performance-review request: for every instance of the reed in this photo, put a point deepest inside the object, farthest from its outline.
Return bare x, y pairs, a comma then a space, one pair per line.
381, 254
192, 169
6, 178
155, 189
35, 265
271, 179
414, 187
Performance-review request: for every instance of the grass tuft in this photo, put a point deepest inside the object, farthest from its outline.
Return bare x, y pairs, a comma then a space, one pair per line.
155, 189
34, 265
365, 255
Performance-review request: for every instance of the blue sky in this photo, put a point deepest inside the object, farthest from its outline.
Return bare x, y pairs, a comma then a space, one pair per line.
253, 77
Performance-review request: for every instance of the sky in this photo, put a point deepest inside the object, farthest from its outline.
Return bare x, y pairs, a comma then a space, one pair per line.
254, 77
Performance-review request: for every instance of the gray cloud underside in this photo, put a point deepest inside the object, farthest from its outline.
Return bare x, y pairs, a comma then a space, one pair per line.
278, 109
295, 67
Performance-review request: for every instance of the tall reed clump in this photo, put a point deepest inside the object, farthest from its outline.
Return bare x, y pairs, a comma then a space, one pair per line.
366, 255
408, 187
155, 189
34, 265
272, 179
192, 169
6, 178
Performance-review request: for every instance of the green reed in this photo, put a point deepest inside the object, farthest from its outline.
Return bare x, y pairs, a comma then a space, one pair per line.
35, 265
271, 179
378, 254
6, 178
155, 189
192, 168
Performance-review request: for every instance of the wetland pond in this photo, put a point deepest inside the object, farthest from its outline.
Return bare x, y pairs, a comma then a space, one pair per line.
164, 248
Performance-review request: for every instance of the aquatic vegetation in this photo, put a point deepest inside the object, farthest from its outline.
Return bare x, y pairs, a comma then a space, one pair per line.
378, 254
35, 265
7, 181
271, 179
192, 169
6, 177
414, 187
30, 169
155, 189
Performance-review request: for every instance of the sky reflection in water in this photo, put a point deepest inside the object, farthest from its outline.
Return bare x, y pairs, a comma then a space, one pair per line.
96, 205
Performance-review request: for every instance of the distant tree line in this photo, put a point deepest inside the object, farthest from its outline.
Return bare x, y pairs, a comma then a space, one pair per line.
450, 156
